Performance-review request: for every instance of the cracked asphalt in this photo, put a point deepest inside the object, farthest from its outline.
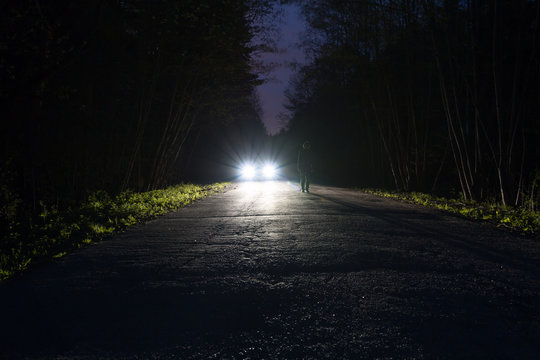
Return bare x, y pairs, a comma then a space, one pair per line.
263, 271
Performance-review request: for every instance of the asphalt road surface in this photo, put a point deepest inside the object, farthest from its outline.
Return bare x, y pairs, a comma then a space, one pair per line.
265, 271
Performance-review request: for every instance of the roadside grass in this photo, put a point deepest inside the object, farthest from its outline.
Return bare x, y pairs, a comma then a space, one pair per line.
516, 219
56, 233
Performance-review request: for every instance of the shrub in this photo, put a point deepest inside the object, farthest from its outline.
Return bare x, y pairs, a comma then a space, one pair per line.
59, 232
515, 218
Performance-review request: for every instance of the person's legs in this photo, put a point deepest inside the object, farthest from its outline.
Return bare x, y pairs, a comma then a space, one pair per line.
307, 181
303, 180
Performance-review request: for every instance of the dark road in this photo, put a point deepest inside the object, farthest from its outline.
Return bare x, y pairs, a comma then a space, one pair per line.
265, 271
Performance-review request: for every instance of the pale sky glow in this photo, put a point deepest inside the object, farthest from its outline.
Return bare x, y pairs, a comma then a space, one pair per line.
272, 93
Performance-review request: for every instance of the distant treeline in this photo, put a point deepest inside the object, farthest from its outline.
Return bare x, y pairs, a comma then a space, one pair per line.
114, 95
427, 95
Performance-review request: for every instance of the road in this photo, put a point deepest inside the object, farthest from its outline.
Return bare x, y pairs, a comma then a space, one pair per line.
265, 271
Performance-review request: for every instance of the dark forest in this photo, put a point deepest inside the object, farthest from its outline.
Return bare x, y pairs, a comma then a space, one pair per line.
116, 95
434, 96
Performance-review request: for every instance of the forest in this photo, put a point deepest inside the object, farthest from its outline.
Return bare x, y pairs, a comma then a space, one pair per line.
115, 95
438, 96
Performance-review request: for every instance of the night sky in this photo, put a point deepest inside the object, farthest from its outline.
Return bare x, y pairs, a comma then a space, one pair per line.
272, 92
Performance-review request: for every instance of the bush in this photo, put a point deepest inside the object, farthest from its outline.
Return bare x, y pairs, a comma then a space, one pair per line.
514, 218
59, 232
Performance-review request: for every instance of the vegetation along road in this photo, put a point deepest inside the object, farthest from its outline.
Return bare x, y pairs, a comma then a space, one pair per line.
265, 271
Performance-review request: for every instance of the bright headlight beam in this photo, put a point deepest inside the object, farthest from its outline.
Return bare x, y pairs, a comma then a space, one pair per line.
269, 171
248, 171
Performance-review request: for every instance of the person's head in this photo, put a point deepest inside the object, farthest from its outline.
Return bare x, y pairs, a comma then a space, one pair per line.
306, 145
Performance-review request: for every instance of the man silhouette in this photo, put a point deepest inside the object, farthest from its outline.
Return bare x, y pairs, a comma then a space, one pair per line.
305, 165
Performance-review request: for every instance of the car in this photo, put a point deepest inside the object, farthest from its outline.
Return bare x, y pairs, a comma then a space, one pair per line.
265, 170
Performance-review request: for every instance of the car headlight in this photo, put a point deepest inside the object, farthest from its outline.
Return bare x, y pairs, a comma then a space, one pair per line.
248, 171
269, 171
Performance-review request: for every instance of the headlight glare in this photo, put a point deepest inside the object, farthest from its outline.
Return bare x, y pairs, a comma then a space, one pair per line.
248, 171
269, 171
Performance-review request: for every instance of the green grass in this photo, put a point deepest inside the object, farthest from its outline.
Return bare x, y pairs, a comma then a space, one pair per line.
56, 233
516, 219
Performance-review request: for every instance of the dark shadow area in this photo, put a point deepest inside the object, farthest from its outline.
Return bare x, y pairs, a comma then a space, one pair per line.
455, 238
437, 323
121, 321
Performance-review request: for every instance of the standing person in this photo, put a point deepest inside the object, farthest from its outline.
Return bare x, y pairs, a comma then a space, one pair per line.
305, 165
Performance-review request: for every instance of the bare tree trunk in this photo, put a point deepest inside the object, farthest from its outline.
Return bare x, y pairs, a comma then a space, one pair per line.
385, 144
175, 132
497, 105
144, 107
454, 141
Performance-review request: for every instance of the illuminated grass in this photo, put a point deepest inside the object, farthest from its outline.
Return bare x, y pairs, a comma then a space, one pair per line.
517, 219
60, 232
